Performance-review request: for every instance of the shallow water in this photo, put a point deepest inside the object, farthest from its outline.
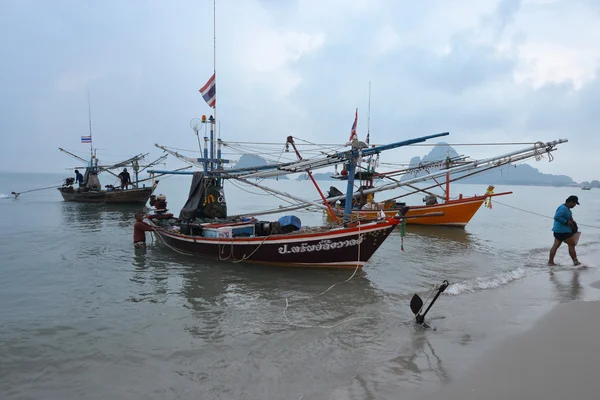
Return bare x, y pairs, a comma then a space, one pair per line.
83, 314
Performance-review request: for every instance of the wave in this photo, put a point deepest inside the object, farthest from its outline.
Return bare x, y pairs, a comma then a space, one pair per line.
4, 196
485, 283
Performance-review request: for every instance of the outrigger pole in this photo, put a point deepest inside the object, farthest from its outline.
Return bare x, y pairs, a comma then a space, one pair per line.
290, 140
534, 151
354, 155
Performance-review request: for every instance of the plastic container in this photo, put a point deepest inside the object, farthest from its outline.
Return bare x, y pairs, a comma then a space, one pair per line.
289, 223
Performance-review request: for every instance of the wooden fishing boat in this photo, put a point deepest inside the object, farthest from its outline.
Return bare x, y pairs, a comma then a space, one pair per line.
450, 212
204, 229
456, 213
112, 196
90, 190
339, 247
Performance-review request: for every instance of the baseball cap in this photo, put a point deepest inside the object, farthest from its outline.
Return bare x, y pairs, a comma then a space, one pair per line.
572, 198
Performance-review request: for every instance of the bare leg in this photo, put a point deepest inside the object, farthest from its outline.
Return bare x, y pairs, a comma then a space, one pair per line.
571, 243
553, 250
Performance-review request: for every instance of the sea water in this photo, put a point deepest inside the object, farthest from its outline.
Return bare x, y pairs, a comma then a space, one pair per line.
83, 314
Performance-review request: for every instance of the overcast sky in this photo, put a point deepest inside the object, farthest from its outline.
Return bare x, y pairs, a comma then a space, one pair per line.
484, 70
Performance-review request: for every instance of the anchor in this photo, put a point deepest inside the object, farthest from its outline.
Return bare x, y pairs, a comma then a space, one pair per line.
416, 304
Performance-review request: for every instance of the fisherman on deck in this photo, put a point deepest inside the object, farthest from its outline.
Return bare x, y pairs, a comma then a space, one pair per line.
139, 231
78, 178
564, 230
125, 179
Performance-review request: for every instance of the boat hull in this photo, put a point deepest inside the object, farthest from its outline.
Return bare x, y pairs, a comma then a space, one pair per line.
130, 196
457, 213
336, 248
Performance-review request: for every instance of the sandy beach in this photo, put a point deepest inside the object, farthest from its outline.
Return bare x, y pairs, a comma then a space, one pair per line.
557, 359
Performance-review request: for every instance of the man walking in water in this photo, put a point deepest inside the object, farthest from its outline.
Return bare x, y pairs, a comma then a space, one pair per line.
139, 231
564, 228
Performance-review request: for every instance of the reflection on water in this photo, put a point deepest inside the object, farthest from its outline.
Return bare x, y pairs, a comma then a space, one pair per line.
567, 291
97, 216
421, 359
228, 300
459, 237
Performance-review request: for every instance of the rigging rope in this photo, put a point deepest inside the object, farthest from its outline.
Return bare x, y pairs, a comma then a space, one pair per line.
325, 291
541, 215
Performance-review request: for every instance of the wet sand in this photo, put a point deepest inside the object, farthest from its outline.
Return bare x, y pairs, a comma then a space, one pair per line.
558, 358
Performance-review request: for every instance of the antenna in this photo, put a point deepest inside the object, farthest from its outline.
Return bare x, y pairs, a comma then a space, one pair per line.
369, 116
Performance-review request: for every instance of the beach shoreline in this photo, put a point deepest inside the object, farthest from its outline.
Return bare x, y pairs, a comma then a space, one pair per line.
555, 359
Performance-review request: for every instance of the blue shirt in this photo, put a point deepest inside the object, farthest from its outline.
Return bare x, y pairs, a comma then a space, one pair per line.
562, 215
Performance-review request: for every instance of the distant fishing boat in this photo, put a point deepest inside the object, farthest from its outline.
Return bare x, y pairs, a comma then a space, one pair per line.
586, 187
91, 191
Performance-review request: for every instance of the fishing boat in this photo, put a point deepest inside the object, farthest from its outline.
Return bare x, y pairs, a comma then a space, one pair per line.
456, 212
204, 229
91, 191
453, 212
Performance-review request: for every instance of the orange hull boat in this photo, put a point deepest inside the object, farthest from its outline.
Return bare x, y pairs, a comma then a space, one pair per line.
456, 213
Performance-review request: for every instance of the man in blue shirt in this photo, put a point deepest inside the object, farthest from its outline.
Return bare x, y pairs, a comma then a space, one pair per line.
564, 228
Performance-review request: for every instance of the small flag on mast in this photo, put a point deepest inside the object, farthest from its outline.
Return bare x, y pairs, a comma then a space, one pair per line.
86, 139
209, 91
353, 130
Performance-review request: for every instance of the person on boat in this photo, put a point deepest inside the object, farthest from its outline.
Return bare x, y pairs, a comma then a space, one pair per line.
139, 231
370, 204
125, 179
78, 178
564, 229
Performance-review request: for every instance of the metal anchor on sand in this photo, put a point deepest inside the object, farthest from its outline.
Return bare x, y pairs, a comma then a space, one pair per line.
417, 304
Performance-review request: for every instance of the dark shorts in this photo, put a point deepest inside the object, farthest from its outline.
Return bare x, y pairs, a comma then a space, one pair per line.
562, 236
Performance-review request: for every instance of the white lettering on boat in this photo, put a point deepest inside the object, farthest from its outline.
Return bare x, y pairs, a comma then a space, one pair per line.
323, 245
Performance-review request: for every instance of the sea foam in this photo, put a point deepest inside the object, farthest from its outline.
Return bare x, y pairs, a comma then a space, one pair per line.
485, 283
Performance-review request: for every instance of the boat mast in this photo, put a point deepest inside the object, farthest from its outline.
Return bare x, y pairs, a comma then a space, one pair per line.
90, 123
448, 175
213, 121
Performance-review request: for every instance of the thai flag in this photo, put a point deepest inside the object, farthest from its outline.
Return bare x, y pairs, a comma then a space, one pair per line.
209, 91
86, 139
353, 130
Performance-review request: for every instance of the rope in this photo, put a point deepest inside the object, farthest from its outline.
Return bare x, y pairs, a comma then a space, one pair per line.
541, 215
244, 257
325, 291
35, 190
168, 245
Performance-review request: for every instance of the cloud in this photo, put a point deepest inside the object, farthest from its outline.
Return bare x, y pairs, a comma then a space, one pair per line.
487, 71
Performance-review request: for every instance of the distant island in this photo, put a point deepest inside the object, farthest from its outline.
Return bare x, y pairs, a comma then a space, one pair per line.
319, 176
253, 160
522, 174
